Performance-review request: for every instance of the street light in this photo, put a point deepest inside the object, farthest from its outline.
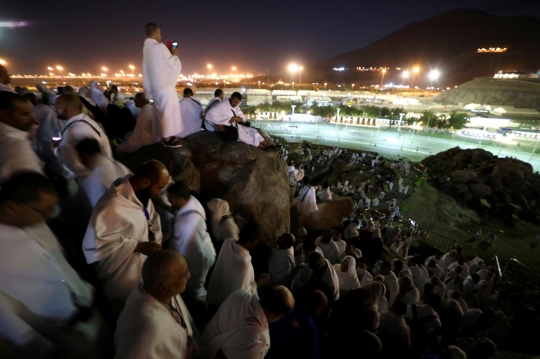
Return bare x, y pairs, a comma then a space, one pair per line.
234, 68
405, 74
434, 75
415, 71
3, 62
293, 68
132, 68
60, 68
325, 86
50, 68
382, 79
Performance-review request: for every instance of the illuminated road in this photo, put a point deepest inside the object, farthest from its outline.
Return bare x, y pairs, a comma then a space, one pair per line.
389, 142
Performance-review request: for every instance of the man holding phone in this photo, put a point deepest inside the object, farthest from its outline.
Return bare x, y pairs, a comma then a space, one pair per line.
161, 68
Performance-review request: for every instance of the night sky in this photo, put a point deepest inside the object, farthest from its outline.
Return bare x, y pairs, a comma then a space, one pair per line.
254, 36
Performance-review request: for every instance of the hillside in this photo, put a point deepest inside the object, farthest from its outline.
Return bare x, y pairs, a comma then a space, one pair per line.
448, 42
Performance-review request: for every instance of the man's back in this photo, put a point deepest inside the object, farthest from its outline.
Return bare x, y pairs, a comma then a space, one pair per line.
239, 329
191, 112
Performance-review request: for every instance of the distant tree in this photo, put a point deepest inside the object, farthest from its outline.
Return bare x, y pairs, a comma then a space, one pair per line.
322, 111
427, 118
457, 120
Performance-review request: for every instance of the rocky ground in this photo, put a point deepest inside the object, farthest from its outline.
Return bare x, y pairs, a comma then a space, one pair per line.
438, 208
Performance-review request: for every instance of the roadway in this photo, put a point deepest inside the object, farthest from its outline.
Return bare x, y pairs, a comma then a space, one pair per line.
414, 145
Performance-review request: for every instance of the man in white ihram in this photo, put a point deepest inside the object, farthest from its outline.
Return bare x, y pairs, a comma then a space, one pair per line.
144, 133
161, 68
191, 113
228, 113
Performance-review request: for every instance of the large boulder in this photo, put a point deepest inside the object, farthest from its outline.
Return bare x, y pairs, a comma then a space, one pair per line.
253, 181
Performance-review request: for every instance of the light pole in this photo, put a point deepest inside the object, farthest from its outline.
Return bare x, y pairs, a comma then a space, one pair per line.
300, 69
51, 70
405, 75
60, 68
434, 75
399, 123
353, 87
325, 86
209, 67
415, 71
293, 68
132, 69
382, 79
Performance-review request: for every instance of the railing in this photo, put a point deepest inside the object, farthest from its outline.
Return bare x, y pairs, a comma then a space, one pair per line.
515, 269
445, 244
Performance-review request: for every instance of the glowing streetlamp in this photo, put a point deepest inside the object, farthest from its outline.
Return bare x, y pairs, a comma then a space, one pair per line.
234, 68
434, 75
3, 62
325, 86
60, 68
405, 74
132, 68
104, 69
50, 68
415, 71
382, 79
353, 87
293, 68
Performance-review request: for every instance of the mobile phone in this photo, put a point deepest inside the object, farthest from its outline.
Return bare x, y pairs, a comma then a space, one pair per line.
57, 138
174, 45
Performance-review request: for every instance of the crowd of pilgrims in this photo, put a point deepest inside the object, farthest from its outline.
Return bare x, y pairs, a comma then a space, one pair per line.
99, 262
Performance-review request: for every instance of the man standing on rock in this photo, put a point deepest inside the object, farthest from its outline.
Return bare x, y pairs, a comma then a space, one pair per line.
161, 68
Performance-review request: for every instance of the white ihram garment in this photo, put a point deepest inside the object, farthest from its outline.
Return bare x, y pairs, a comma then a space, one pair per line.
160, 74
101, 178
117, 225
147, 329
38, 286
191, 239
221, 113
16, 153
49, 126
233, 271
79, 128
307, 201
239, 329
281, 263
144, 133
191, 113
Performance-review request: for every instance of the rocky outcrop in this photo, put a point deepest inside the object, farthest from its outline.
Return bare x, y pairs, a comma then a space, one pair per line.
253, 181
497, 185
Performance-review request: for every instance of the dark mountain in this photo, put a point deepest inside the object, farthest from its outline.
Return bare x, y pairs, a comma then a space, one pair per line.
448, 43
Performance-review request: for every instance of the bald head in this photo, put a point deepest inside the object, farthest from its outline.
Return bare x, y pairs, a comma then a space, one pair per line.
277, 302
153, 170
286, 240
165, 273
68, 106
149, 180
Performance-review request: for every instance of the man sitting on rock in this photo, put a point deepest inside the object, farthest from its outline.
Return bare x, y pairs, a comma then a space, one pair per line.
228, 113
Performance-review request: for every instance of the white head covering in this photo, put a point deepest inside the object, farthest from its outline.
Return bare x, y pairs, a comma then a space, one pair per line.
347, 280
219, 208
97, 95
83, 91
